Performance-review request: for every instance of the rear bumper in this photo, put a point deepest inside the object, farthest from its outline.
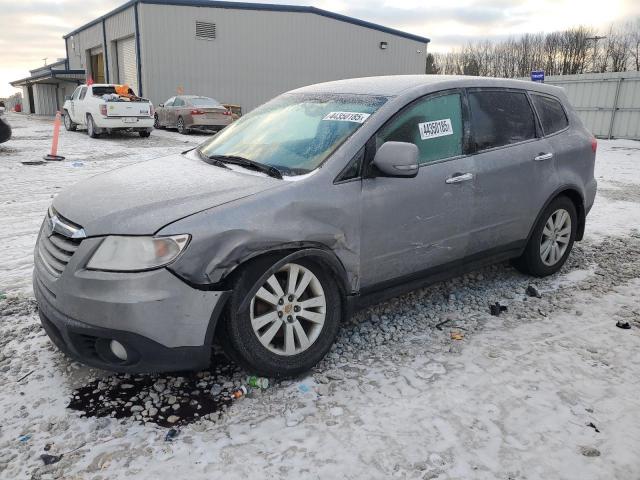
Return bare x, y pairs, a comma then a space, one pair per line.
118, 123
163, 323
200, 121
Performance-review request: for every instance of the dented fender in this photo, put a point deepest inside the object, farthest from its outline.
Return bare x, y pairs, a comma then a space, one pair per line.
296, 216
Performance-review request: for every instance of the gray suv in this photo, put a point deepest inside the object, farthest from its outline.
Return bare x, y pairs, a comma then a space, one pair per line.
321, 201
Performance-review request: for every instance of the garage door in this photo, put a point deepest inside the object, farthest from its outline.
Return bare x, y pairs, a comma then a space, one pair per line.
127, 66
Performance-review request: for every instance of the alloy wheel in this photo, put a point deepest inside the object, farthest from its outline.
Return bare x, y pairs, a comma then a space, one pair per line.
555, 237
156, 121
288, 312
180, 125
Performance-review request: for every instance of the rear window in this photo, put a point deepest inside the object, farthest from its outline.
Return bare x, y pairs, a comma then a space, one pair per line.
204, 102
500, 118
551, 113
107, 90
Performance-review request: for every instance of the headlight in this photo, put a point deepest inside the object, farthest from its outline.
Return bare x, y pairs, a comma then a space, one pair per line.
126, 254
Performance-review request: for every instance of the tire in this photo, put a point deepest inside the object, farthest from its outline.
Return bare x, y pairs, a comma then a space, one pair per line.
180, 126
156, 122
68, 124
552, 239
144, 133
281, 321
91, 128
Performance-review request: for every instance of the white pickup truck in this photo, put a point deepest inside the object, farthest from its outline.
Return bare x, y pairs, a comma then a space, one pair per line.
101, 109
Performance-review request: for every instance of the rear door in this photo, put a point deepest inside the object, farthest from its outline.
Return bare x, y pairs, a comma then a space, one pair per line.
515, 171
80, 108
414, 224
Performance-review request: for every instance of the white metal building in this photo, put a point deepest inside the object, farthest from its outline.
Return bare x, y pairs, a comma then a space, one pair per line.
239, 53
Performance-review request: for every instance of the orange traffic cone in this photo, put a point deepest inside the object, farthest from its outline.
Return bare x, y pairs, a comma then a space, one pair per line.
53, 156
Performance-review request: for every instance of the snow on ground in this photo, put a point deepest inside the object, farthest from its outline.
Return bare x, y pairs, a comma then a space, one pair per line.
548, 390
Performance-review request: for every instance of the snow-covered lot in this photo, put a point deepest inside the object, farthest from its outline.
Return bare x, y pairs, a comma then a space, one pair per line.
550, 389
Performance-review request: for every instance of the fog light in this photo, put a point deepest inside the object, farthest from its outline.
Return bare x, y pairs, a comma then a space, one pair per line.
118, 350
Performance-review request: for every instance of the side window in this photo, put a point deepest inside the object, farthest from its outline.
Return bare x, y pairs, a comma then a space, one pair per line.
83, 93
433, 124
178, 102
76, 92
551, 113
500, 118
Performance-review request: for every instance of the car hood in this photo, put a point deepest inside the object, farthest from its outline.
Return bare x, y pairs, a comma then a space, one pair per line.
141, 199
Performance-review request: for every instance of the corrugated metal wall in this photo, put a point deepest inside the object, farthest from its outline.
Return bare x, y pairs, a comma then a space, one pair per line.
116, 27
44, 99
608, 103
259, 54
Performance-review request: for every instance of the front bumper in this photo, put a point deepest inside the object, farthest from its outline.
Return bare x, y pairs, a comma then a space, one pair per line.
163, 323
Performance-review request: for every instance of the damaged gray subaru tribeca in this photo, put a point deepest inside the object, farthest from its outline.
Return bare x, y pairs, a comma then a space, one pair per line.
323, 200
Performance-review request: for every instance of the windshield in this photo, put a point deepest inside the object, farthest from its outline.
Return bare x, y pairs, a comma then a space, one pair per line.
204, 102
294, 133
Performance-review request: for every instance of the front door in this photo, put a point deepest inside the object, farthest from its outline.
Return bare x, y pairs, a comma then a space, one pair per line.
410, 225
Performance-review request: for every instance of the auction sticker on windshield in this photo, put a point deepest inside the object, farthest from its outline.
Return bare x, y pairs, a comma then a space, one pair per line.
356, 117
436, 128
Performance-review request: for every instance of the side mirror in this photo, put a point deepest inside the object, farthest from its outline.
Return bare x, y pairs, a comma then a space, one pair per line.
397, 159
161, 105
67, 97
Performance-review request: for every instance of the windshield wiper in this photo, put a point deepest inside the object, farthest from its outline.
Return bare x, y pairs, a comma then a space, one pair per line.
251, 164
210, 161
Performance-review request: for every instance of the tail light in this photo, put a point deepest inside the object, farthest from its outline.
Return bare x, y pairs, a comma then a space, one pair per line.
594, 144
227, 112
103, 109
151, 110
197, 112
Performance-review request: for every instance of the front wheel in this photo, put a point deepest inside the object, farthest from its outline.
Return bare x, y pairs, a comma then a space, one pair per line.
551, 240
156, 121
180, 126
285, 324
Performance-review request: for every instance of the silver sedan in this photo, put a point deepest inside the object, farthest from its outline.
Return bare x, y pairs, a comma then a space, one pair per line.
192, 112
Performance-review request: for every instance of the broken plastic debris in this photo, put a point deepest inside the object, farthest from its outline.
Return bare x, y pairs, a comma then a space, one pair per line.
239, 393
457, 336
303, 388
258, 382
24, 438
533, 291
623, 325
496, 309
171, 434
50, 459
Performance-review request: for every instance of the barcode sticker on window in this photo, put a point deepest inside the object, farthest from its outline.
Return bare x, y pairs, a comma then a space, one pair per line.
436, 128
347, 116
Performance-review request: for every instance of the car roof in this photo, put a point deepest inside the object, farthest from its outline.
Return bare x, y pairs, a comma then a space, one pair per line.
395, 85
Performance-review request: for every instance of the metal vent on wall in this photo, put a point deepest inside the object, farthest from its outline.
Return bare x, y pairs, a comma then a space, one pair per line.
205, 30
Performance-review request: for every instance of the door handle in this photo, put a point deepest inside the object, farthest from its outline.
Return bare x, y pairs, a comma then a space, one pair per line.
543, 156
459, 178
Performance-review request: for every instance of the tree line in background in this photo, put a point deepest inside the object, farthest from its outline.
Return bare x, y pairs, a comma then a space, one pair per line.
577, 50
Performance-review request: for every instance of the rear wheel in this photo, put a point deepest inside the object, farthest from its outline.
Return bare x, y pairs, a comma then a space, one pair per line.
144, 133
284, 325
181, 128
91, 128
68, 124
552, 239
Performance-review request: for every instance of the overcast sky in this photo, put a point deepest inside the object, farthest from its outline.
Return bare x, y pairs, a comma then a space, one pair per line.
31, 30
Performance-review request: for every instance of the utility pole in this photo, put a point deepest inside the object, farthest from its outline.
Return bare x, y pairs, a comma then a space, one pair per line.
595, 49
45, 61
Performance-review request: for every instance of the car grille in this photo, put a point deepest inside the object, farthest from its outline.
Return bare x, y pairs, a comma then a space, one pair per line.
55, 248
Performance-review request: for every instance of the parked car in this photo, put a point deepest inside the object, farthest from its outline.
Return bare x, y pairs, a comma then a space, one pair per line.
102, 109
319, 202
5, 128
236, 110
192, 112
